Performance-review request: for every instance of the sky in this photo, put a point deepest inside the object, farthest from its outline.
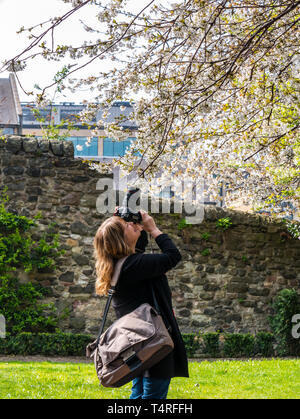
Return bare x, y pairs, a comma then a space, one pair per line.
17, 13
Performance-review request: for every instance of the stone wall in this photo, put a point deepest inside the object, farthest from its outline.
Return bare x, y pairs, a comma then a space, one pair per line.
225, 281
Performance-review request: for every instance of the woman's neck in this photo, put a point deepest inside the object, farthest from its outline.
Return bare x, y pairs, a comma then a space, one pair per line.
133, 247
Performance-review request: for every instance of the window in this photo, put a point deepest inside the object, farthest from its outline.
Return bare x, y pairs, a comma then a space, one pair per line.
29, 115
70, 115
115, 148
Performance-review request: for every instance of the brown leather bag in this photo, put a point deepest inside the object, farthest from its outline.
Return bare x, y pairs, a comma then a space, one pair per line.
132, 344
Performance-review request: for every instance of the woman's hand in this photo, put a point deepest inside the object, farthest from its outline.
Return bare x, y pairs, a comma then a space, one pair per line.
149, 224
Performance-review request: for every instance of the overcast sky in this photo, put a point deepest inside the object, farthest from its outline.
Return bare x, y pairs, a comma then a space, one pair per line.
17, 13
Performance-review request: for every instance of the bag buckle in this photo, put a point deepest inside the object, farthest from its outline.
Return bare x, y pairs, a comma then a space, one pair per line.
127, 354
131, 359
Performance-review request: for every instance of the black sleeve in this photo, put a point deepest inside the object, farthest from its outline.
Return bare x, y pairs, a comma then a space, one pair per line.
142, 242
146, 266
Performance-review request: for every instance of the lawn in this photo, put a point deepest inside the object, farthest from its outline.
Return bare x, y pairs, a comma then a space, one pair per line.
266, 379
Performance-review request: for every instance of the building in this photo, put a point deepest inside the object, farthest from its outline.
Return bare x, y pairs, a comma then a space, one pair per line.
10, 107
61, 114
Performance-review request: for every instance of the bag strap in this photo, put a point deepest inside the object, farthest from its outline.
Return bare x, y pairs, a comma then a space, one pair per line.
152, 289
156, 306
111, 292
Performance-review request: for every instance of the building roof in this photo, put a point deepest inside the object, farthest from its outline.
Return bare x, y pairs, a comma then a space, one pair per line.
10, 108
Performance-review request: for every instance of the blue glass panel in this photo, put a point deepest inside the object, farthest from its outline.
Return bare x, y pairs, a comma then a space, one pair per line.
6, 131
108, 148
87, 150
119, 149
115, 148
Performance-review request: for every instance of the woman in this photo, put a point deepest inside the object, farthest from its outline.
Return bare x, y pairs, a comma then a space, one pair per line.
115, 239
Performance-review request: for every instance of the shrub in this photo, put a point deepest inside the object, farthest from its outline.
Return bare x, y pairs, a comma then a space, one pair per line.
211, 343
191, 343
61, 344
64, 344
70, 344
264, 344
238, 344
19, 304
285, 305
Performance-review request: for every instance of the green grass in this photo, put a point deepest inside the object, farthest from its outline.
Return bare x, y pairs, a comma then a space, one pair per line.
266, 379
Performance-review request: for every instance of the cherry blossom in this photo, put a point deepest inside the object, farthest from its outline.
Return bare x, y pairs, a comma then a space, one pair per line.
215, 87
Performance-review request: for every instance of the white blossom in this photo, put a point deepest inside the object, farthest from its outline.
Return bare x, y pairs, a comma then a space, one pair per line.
215, 86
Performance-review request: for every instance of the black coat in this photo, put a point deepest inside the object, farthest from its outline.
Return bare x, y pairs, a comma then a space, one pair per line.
138, 272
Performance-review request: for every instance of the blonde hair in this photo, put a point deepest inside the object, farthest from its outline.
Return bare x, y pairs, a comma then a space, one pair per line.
109, 246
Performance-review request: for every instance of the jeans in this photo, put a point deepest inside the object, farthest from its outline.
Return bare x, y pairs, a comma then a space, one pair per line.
150, 388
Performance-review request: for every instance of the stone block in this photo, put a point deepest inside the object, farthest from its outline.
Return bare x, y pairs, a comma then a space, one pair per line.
13, 144
63, 210
47, 173
81, 260
76, 289
88, 201
210, 287
200, 280
72, 198
34, 190
237, 287
79, 228
45, 207
209, 311
16, 186
68, 148
67, 277
13, 171
43, 145
206, 296
57, 148
77, 323
63, 163
30, 145
33, 171
80, 179
260, 292
234, 317
71, 242
184, 313
209, 269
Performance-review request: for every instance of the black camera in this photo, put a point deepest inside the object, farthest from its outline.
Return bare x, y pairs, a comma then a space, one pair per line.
125, 212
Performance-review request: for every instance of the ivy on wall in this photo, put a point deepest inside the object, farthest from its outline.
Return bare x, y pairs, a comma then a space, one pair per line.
20, 303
